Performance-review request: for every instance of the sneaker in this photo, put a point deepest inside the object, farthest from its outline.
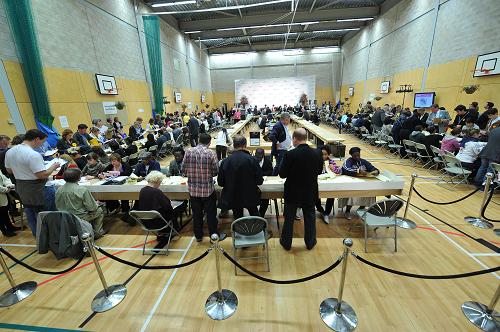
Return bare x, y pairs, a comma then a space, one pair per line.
222, 236
325, 219
348, 216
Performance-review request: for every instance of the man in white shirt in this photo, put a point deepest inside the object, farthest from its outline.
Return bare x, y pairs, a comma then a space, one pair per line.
30, 173
281, 138
102, 128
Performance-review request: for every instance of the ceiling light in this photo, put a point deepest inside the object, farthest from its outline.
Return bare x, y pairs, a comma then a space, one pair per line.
212, 39
188, 32
216, 9
273, 35
308, 23
322, 49
355, 19
336, 30
268, 26
166, 4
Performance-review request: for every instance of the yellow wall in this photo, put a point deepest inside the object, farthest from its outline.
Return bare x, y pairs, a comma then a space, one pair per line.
446, 79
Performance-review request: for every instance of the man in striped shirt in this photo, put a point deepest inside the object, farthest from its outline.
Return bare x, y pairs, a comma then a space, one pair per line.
200, 167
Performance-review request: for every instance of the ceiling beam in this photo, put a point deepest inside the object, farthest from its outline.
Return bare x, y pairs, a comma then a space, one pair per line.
277, 45
263, 19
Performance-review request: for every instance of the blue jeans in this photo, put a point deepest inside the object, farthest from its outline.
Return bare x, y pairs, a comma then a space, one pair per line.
481, 172
49, 205
279, 157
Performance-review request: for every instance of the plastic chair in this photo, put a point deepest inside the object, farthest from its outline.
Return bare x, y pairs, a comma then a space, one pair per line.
423, 154
143, 217
381, 214
393, 146
454, 169
250, 232
411, 152
438, 158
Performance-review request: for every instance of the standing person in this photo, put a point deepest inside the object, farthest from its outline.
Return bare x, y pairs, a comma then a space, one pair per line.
281, 138
482, 120
439, 116
29, 171
490, 154
194, 130
222, 143
239, 176
301, 167
267, 170
200, 166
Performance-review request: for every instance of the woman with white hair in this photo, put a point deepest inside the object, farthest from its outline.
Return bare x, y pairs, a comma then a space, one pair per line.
152, 198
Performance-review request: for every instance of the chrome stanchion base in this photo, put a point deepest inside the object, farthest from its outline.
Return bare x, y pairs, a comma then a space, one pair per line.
221, 306
103, 302
477, 313
405, 223
345, 320
17, 294
478, 222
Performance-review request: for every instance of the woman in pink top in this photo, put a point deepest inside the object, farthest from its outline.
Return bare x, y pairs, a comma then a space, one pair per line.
237, 116
450, 143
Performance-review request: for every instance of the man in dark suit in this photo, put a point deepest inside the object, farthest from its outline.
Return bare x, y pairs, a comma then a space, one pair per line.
267, 170
194, 130
301, 167
240, 175
281, 139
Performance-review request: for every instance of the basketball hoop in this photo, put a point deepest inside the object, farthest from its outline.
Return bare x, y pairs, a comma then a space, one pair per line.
109, 91
482, 72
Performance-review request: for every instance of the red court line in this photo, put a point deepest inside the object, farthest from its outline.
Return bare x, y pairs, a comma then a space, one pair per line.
87, 264
446, 232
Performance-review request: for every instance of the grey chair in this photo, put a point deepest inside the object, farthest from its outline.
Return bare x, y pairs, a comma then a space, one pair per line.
381, 214
143, 217
438, 158
250, 232
454, 168
394, 148
423, 155
410, 150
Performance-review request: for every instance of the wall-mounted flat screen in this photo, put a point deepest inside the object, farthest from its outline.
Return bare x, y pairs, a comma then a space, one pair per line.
424, 99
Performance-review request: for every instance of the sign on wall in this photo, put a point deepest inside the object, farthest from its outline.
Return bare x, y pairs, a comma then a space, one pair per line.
384, 87
109, 107
178, 97
351, 91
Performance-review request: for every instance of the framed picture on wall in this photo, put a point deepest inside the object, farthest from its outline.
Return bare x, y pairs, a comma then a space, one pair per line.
351, 91
202, 98
384, 87
178, 97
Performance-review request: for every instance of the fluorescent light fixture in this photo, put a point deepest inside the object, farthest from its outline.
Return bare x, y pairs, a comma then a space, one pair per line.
335, 30
273, 35
269, 26
188, 32
293, 51
325, 49
166, 4
215, 9
212, 39
355, 19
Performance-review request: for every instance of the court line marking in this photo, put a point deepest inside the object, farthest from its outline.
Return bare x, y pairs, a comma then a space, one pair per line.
21, 259
486, 254
139, 249
165, 288
32, 328
454, 243
134, 248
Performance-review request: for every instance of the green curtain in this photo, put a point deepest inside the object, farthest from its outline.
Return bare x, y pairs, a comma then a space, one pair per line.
152, 32
23, 28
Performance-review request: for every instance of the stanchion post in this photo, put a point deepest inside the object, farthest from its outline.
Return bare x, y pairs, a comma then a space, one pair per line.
222, 303
110, 296
484, 317
18, 292
335, 313
405, 222
479, 221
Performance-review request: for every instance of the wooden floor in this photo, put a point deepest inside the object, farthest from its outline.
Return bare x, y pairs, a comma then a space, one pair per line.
173, 300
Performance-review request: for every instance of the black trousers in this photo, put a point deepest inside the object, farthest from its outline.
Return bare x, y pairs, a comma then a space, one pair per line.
252, 210
5, 221
193, 139
328, 206
264, 204
201, 206
309, 224
221, 151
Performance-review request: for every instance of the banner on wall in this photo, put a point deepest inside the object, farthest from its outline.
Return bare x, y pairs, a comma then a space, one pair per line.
109, 107
275, 91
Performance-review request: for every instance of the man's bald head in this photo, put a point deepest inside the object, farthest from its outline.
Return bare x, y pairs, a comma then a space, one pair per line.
299, 136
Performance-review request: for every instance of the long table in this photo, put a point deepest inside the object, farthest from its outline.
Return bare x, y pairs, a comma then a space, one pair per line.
322, 134
235, 129
272, 188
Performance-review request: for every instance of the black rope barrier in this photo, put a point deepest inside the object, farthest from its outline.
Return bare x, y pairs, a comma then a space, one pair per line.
283, 282
483, 210
445, 203
152, 267
422, 276
38, 270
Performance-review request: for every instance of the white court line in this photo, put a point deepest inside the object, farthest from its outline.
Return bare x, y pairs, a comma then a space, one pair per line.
454, 243
138, 249
18, 245
164, 291
105, 248
480, 254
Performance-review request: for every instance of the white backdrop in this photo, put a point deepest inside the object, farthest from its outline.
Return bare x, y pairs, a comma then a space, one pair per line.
275, 91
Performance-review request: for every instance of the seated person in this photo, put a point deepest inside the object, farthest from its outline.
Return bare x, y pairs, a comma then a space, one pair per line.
65, 142
417, 135
150, 141
96, 137
117, 168
81, 138
103, 157
469, 156
329, 166
152, 198
79, 201
135, 131
6, 226
387, 127
70, 163
433, 139
174, 169
94, 167
450, 143
470, 135
355, 166
77, 157
147, 165
115, 147
469, 124
131, 147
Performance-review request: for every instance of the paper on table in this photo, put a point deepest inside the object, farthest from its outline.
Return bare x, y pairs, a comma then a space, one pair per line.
64, 121
383, 178
50, 153
53, 161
